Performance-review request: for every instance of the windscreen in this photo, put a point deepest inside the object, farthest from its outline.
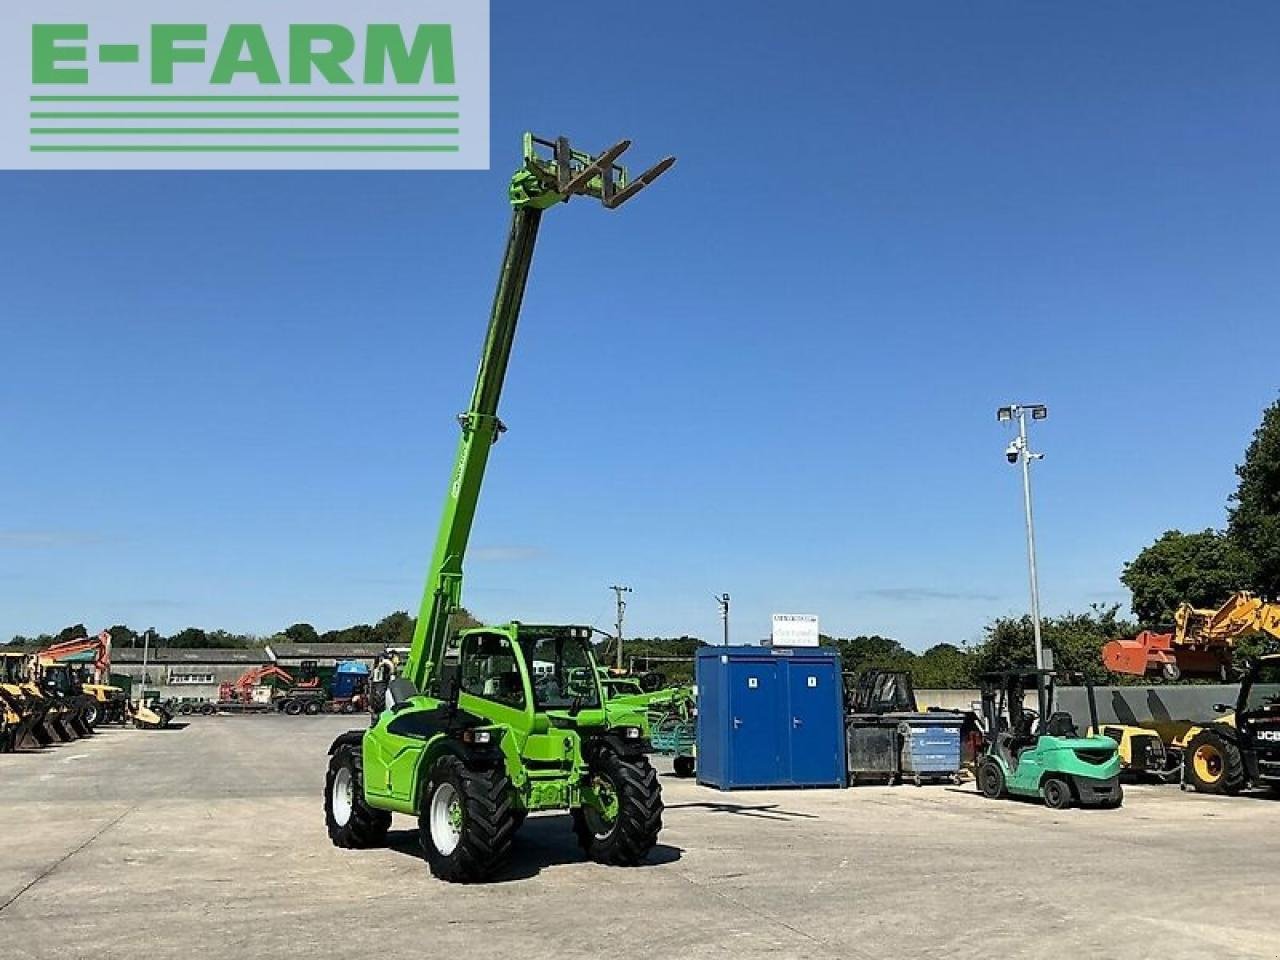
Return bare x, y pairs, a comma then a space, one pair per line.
1264, 692
563, 672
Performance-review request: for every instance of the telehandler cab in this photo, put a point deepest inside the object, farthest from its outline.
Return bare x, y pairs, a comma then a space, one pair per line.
489, 724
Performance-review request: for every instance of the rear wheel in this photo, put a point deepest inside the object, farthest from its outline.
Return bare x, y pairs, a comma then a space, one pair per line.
684, 766
293, 708
465, 821
620, 823
1213, 763
1056, 793
312, 707
991, 779
352, 823
92, 713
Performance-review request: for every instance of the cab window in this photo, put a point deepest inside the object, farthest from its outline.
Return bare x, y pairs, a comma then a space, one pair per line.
489, 669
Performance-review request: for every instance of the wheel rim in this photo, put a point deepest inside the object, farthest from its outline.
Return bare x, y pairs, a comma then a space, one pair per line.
1208, 763
602, 816
343, 798
446, 818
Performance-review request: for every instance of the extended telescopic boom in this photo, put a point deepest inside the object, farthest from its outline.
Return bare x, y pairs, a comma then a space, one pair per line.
540, 183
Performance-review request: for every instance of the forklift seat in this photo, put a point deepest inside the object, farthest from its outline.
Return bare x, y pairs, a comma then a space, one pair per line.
1062, 724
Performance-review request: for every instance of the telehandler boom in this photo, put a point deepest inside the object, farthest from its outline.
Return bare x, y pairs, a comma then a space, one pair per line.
488, 724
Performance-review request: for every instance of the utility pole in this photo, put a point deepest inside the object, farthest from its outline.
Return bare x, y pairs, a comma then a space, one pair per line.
1019, 452
622, 608
146, 648
723, 600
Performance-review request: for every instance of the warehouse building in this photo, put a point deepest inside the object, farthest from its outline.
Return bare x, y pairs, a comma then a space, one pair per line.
187, 674
197, 673
291, 656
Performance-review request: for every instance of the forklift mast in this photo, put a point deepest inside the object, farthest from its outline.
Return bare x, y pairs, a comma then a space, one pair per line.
552, 173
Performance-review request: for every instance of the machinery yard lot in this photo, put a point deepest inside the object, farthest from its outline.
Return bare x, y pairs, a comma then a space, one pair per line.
208, 840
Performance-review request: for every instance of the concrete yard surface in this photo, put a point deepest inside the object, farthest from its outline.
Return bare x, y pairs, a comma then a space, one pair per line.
208, 842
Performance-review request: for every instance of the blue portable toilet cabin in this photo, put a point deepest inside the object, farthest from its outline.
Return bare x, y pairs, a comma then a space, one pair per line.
770, 717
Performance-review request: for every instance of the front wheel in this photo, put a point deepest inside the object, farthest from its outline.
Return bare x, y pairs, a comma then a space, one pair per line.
465, 821
92, 714
621, 816
991, 779
685, 766
1213, 763
351, 822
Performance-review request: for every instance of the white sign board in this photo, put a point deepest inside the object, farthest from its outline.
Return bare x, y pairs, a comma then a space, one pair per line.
794, 630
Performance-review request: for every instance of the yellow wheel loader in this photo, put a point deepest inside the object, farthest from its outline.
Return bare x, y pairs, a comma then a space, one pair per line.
1242, 747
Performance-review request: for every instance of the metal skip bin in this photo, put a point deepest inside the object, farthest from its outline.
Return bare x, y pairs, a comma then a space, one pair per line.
930, 748
769, 717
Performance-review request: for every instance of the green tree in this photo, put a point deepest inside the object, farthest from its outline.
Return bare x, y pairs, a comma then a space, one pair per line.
1075, 638
189, 638
301, 633
122, 636
942, 666
863, 652
77, 632
1254, 511
394, 630
1201, 569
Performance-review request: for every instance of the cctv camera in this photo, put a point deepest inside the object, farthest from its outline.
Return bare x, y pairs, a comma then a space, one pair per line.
1011, 453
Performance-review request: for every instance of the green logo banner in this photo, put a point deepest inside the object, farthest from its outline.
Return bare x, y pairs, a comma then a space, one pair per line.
396, 84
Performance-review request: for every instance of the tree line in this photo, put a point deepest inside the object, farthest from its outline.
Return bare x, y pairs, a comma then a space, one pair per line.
1202, 568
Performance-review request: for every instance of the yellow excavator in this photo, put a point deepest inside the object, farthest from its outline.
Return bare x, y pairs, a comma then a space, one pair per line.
1200, 644
80, 669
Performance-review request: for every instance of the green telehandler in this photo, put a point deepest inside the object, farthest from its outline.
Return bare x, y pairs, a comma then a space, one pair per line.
484, 726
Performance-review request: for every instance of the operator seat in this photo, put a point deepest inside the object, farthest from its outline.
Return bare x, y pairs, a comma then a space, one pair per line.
1061, 724
399, 691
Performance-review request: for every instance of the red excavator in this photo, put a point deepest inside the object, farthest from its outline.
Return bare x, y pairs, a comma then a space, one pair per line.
1200, 644
242, 690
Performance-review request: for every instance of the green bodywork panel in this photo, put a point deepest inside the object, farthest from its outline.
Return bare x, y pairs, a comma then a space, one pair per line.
1058, 756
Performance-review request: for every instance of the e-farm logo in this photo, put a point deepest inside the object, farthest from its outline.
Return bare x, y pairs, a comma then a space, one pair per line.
399, 84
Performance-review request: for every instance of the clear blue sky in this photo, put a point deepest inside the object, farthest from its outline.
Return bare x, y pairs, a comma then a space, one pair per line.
228, 399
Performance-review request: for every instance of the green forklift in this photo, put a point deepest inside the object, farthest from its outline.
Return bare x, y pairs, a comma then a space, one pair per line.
484, 726
1040, 753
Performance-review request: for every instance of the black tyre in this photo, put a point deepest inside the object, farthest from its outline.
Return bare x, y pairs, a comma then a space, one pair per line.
348, 707
684, 766
465, 821
312, 707
1116, 802
293, 708
1056, 793
991, 779
1213, 764
92, 713
624, 828
351, 822
207, 709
